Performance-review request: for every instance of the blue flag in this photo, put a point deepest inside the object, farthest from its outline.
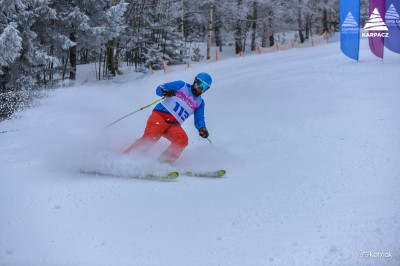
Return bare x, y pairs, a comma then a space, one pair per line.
350, 28
392, 20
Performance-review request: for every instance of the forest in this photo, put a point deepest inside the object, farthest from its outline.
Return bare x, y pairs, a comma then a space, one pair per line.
43, 41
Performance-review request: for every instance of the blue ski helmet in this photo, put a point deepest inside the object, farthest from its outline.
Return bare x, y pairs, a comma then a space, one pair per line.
203, 80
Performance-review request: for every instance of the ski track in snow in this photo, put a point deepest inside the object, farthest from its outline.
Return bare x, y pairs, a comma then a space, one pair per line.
310, 141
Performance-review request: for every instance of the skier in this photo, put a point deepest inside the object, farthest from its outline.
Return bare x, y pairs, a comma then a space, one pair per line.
181, 100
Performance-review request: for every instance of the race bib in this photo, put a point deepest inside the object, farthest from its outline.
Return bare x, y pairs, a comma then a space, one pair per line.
183, 105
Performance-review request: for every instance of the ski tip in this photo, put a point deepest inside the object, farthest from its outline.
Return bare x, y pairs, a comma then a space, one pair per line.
173, 174
163, 175
221, 172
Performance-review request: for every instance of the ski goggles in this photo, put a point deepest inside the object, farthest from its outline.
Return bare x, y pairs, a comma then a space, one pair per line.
202, 84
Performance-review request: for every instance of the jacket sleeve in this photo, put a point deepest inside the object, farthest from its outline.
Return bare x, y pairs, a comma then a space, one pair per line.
199, 120
174, 85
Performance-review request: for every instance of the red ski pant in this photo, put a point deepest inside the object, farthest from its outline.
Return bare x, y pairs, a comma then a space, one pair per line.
158, 127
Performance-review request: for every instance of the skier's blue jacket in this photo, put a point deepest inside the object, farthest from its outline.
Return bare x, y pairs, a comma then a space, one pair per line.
184, 96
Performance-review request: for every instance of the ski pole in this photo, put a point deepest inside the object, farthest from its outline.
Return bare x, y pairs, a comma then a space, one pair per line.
209, 140
140, 109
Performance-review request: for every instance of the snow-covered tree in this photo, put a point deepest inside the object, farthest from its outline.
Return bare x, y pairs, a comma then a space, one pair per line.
42, 40
25, 69
133, 39
10, 46
165, 31
107, 23
85, 26
154, 32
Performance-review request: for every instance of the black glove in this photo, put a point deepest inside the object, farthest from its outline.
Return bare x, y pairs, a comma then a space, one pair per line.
168, 93
203, 132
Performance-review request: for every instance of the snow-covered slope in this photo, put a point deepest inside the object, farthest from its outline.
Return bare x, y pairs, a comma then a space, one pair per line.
310, 141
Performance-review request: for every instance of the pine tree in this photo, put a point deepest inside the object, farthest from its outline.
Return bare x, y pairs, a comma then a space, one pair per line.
44, 40
10, 47
25, 70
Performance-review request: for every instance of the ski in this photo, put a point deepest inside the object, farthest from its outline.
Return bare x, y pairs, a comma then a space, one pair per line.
150, 176
217, 173
162, 176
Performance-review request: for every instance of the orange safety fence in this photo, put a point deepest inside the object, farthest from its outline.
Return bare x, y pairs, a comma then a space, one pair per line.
313, 41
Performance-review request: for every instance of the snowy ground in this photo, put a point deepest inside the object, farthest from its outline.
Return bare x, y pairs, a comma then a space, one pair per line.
310, 140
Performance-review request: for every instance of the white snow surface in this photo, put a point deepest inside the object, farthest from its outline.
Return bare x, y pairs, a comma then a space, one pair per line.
310, 140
